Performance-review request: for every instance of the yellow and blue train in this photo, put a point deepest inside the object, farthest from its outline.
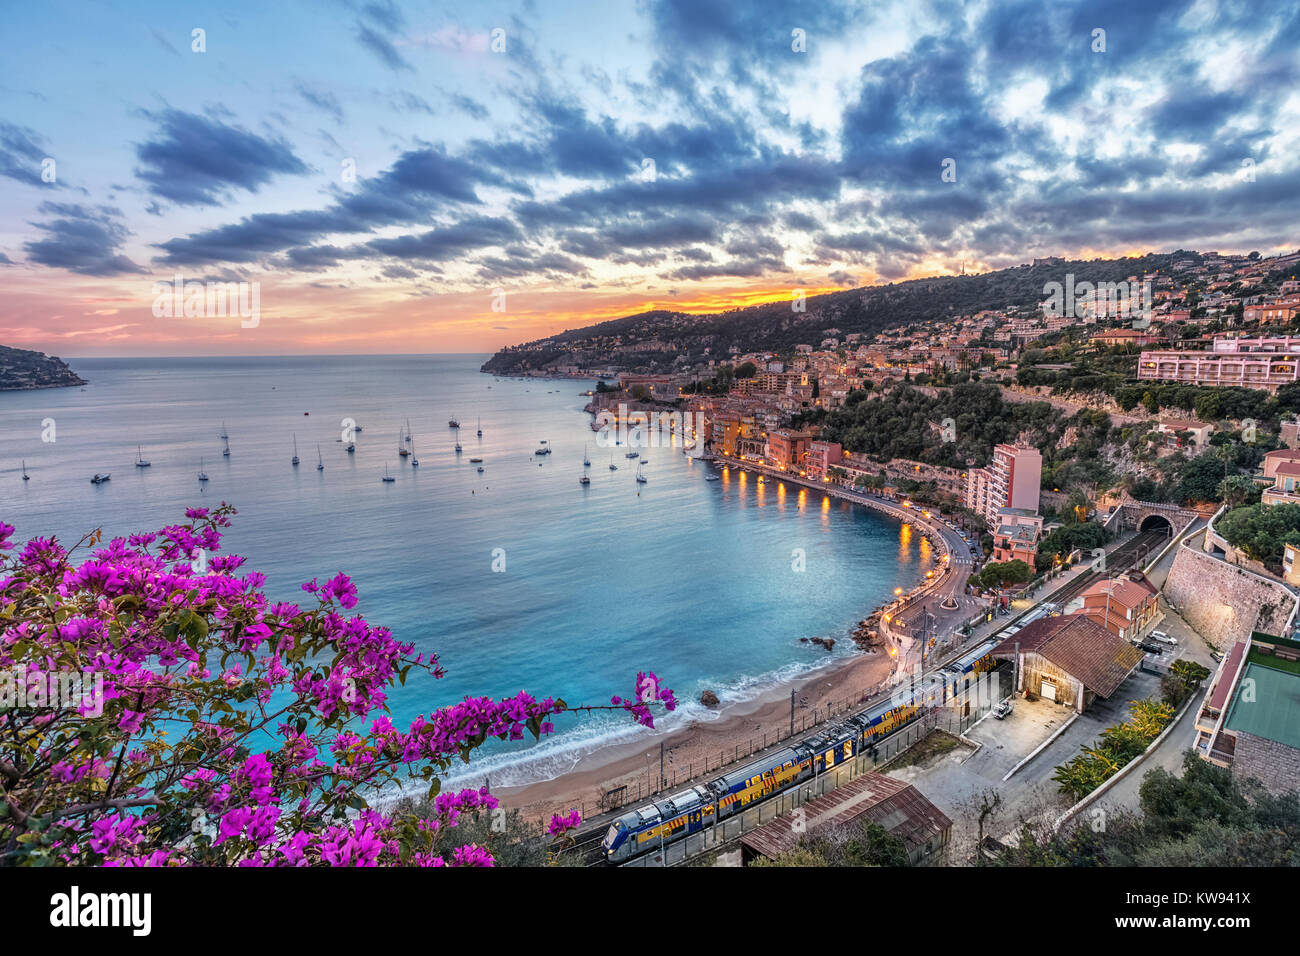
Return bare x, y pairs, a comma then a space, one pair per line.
692, 810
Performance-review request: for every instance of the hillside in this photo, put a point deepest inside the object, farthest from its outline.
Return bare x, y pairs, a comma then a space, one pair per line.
661, 340
22, 369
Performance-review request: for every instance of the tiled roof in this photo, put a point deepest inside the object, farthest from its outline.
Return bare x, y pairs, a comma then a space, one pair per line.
894, 804
1086, 650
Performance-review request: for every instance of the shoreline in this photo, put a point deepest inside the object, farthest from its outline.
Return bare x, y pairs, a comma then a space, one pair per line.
701, 748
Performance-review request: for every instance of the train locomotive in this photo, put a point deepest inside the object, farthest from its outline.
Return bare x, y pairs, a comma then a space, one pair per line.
692, 810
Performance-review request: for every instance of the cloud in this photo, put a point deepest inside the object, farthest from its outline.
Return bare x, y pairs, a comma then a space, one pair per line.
322, 100
20, 156
82, 240
382, 47
195, 160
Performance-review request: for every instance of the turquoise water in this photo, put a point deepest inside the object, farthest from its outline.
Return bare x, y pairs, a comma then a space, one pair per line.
689, 578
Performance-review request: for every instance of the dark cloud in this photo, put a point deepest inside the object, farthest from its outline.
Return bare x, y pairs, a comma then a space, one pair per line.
439, 245
420, 183
322, 100
20, 156
195, 160
382, 47
82, 240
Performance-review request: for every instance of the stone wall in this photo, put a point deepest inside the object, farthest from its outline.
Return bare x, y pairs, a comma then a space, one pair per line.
1273, 764
1222, 602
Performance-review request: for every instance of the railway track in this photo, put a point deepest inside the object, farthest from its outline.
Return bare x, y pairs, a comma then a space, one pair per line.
1127, 555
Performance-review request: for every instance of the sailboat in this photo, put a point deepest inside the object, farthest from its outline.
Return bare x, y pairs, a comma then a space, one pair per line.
640, 477
223, 436
584, 480
633, 454
387, 476
320, 462
402, 450
415, 462
203, 475
140, 461
480, 427
586, 459
612, 466
408, 431
295, 450
26, 477
100, 478
458, 448
225, 449
453, 423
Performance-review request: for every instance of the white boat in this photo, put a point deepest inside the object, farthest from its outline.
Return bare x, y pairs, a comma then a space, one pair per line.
710, 477
295, 451
458, 448
586, 459
402, 450
475, 461
408, 431
140, 461
641, 479
584, 480
320, 462
387, 476
633, 454
100, 478
203, 475
26, 477
225, 447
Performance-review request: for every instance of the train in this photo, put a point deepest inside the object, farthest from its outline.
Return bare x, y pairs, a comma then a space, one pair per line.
696, 808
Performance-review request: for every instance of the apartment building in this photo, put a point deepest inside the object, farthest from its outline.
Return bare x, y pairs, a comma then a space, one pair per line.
1010, 481
1259, 363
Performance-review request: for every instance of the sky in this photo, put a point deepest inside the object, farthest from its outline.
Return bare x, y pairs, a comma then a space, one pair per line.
423, 177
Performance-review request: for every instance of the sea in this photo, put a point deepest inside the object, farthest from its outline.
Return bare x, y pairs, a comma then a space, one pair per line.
518, 578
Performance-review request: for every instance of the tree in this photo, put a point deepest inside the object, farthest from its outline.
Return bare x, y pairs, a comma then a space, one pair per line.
1262, 531
223, 728
1003, 575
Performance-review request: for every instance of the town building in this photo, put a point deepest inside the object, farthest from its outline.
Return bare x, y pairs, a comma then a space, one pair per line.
1125, 606
787, 448
1017, 536
1069, 659
1011, 480
823, 455
1199, 438
893, 804
1257, 363
1249, 721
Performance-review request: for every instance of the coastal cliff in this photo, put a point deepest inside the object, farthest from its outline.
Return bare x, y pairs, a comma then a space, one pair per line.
21, 369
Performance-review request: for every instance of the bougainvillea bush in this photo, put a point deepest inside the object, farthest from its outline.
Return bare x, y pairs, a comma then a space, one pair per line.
156, 708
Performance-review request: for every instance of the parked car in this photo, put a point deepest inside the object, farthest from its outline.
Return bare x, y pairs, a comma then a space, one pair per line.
1162, 637
1003, 709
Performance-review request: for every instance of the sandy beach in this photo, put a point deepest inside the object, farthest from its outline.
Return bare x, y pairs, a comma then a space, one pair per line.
699, 749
